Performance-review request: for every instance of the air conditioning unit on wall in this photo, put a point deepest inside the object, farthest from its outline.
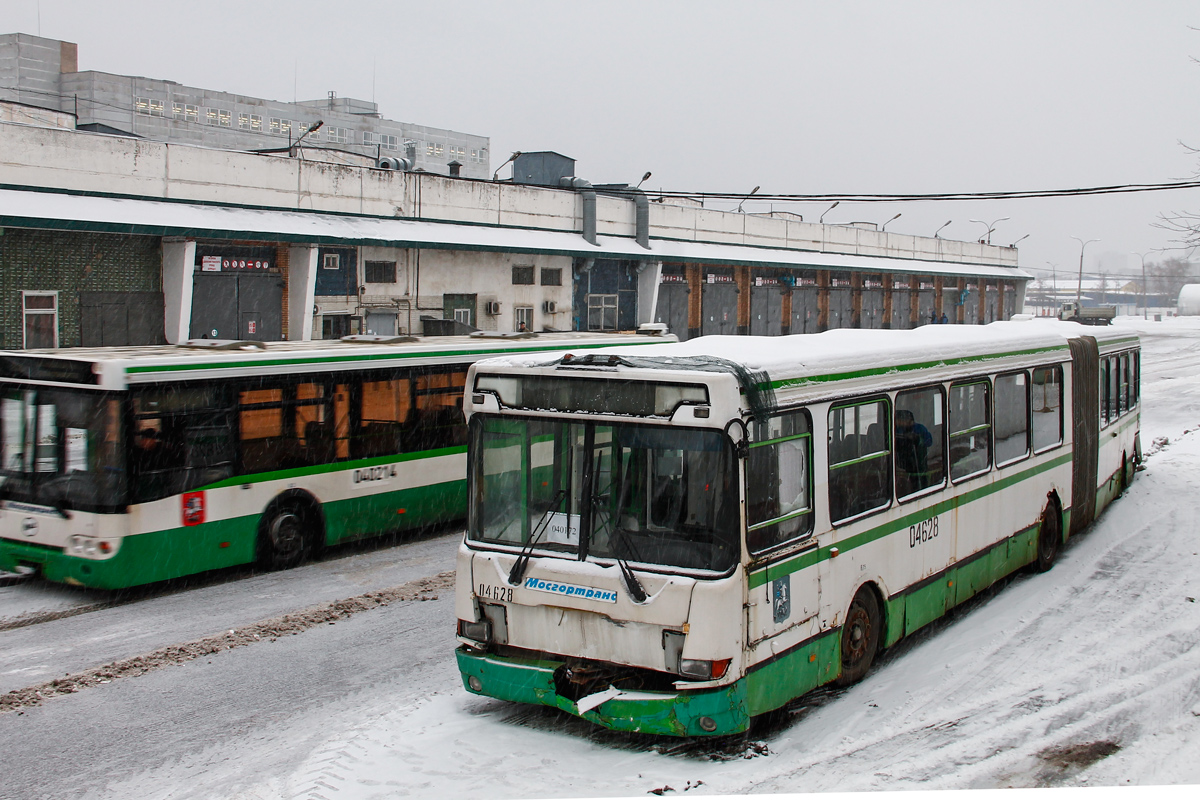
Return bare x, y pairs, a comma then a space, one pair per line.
491, 308
549, 307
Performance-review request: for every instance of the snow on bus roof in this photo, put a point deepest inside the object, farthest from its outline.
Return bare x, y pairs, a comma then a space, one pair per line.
850, 350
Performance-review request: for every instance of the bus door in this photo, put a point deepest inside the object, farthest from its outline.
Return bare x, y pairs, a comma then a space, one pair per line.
783, 596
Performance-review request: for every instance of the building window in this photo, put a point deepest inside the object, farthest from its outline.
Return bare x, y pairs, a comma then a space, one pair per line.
177, 110
551, 276
462, 315
219, 116
429, 148
389, 142
332, 261
249, 122
41, 319
335, 326
602, 312
341, 135
523, 318
191, 113
368, 139
244, 121
381, 271
149, 107
522, 276
281, 126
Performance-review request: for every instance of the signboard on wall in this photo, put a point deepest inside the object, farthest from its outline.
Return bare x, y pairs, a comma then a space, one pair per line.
233, 258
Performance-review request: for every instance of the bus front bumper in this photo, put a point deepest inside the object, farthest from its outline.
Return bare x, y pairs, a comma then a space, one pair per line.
704, 712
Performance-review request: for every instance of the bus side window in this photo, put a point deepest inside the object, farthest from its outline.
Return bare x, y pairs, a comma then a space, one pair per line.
970, 430
920, 441
1012, 417
778, 482
1123, 384
860, 465
260, 421
1047, 408
1112, 388
386, 409
439, 420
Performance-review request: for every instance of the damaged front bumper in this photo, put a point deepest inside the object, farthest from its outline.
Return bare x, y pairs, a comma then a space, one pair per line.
715, 711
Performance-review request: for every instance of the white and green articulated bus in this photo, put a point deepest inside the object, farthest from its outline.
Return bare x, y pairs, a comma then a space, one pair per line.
125, 466
676, 539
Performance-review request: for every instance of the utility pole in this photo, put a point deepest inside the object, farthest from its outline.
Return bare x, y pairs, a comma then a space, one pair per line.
1079, 286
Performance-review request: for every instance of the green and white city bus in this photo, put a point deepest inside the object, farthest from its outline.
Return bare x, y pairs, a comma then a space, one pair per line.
676, 539
124, 466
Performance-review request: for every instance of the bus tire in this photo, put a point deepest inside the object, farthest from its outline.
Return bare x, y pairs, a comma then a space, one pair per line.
860, 636
1049, 537
285, 536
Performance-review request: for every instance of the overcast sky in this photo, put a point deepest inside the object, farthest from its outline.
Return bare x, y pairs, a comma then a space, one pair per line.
795, 97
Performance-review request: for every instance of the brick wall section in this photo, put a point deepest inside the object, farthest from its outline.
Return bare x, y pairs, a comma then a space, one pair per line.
282, 259
71, 263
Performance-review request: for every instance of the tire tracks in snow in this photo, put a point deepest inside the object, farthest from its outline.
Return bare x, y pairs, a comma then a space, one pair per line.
270, 629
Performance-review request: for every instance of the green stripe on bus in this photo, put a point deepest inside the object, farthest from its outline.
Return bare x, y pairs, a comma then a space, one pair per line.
875, 371
812, 557
337, 466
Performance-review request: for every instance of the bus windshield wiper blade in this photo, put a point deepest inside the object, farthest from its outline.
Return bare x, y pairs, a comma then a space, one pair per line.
636, 591
518, 569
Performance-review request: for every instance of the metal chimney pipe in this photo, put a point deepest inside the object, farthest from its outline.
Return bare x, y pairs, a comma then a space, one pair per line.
589, 205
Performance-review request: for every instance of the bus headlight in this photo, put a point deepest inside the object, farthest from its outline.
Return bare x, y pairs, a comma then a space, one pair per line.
476, 631
704, 670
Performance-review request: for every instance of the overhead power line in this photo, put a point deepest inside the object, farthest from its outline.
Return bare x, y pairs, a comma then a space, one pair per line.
1120, 188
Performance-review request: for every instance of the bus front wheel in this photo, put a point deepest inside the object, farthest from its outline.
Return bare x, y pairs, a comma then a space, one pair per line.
286, 537
1049, 537
860, 637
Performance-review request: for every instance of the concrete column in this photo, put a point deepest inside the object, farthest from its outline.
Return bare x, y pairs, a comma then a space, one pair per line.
960, 315
179, 265
786, 313
914, 302
695, 291
302, 286
939, 289
982, 284
649, 279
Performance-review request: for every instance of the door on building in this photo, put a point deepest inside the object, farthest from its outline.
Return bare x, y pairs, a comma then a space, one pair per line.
901, 309
460, 308
120, 319
872, 308
672, 306
232, 305
380, 322
718, 307
766, 310
335, 326
805, 308
841, 304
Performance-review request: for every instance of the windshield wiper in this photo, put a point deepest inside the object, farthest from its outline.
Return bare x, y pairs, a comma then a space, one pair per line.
518, 569
617, 534
636, 591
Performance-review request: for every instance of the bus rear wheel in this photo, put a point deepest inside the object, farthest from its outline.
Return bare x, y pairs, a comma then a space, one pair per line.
286, 536
1049, 537
860, 637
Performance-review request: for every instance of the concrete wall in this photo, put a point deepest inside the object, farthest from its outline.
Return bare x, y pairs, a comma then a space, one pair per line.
93, 162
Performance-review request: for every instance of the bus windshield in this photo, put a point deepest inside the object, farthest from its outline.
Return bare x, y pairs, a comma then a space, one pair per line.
653, 495
61, 448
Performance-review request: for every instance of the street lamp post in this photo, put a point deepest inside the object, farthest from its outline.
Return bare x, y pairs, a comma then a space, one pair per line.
1079, 285
990, 227
1145, 311
889, 222
821, 221
747, 197
1054, 286
939, 230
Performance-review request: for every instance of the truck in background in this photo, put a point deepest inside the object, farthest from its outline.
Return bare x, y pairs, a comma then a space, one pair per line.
1088, 315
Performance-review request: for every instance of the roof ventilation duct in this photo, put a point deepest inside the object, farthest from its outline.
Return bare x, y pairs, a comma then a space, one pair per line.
391, 162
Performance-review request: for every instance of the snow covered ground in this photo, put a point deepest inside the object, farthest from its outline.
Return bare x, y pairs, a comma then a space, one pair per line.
1088, 675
